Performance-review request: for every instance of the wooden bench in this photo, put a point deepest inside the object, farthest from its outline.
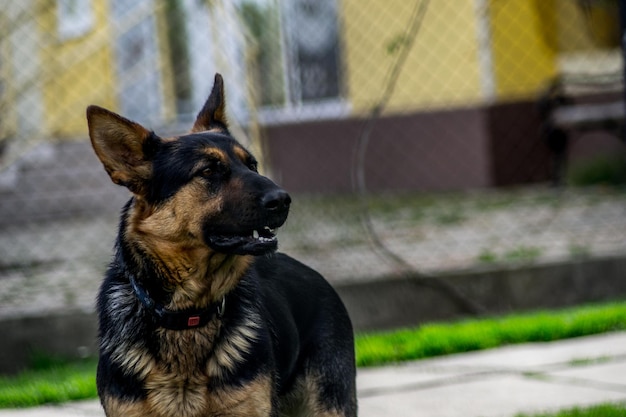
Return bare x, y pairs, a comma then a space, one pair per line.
580, 104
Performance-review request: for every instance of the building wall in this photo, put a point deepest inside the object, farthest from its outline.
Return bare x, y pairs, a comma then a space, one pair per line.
522, 35
441, 150
86, 69
442, 129
441, 69
78, 71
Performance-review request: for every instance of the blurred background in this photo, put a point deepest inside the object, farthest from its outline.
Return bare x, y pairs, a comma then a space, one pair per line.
416, 137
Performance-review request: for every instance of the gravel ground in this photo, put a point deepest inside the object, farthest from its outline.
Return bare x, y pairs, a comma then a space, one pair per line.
53, 266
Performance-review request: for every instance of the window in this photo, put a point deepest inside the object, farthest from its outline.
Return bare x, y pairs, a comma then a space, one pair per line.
298, 60
312, 37
74, 18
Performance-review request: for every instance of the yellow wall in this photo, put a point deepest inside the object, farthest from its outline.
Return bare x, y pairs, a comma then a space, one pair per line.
523, 35
8, 122
76, 72
442, 67
79, 72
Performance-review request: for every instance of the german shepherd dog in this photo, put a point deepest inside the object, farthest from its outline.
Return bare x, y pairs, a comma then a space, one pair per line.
198, 316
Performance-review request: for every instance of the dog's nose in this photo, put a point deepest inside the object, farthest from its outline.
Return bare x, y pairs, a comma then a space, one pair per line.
276, 200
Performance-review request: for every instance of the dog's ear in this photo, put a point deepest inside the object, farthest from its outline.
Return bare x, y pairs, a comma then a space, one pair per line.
125, 148
213, 113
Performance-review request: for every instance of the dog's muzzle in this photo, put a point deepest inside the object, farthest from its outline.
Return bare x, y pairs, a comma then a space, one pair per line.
253, 236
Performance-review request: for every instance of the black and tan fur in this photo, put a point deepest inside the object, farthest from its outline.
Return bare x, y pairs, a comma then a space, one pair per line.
198, 233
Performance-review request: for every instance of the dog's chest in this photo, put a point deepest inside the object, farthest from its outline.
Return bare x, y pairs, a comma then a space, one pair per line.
193, 397
187, 379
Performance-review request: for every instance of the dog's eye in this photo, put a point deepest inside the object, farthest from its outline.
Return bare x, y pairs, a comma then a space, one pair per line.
253, 166
215, 167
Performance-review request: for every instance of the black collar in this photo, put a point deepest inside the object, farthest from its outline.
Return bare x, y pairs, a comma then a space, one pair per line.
177, 320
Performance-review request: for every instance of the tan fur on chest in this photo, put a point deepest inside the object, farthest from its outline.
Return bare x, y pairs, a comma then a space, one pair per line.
178, 379
190, 397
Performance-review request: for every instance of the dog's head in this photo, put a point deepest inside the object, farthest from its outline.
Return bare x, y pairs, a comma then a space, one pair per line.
202, 188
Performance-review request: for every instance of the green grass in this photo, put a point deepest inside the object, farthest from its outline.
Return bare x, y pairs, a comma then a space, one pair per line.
58, 383
516, 255
604, 410
54, 381
445, 338
602, 170
523, 254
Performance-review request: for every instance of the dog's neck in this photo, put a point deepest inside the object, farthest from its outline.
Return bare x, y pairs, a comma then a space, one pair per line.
209, 280
195, 282
178, 319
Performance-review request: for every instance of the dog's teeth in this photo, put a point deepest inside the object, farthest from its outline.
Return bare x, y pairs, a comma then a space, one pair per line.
269, 229
255, 234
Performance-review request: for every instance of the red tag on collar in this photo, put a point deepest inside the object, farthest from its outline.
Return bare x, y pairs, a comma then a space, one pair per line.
193, 321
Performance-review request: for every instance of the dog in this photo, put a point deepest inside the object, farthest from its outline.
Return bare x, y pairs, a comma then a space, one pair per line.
198, 313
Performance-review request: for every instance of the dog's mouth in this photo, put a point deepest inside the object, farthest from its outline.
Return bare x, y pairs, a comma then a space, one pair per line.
255, 242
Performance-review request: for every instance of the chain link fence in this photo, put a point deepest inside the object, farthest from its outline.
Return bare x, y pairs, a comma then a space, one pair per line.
415, 136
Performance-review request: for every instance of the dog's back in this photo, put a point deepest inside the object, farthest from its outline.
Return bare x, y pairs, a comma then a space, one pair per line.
307, 312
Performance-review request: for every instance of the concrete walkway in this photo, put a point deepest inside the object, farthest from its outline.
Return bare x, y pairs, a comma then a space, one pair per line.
502, 382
